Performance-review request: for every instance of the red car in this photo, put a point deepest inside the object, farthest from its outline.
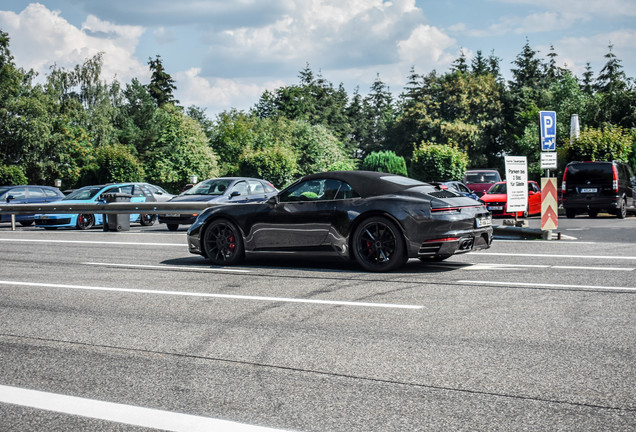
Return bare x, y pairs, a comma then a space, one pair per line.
496, 199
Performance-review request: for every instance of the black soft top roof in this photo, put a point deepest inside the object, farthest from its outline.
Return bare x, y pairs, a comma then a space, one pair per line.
370, 183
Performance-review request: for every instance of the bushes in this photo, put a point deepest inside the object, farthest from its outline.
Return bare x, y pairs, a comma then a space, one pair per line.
12, 175
385, 161
605, 144
431, 162
115, 163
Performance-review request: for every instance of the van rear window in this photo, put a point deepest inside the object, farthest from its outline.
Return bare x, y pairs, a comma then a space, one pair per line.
594, 172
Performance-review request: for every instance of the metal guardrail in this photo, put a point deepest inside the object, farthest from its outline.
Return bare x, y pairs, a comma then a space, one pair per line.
104, 208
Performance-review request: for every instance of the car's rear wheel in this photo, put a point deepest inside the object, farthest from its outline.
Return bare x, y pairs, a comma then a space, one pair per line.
147, 219
222, 243
621, 211
570, 213
26, 223
172, 227
592, 213
378, 245
85, 221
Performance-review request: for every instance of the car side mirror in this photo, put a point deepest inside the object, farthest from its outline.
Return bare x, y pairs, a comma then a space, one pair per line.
10, 197
235, 194
531, 192
272, 201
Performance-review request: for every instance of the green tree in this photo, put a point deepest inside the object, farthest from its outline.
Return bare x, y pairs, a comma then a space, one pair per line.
435, 162
604, 144
276, 164
12, 175
161, 86
115, 163
385, 161
181, 150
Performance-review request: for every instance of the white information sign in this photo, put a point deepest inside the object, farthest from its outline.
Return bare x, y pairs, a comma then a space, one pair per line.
548, 160
517, 183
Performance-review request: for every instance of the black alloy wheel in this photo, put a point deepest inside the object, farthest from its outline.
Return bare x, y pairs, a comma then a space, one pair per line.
378, 245
147, 219
222, 243
85, 221
621, 212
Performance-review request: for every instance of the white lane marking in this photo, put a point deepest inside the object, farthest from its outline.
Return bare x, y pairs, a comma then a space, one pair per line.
167, 267
209, 295
489, 266
120, 413
547, 242
544, 285
93, 242
612, 257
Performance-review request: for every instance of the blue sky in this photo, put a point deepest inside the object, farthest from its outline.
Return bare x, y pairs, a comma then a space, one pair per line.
224, 54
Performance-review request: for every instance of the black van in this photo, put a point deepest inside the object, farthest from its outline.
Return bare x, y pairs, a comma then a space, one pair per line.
598, 186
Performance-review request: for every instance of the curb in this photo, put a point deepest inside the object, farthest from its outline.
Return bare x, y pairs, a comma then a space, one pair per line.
520, 232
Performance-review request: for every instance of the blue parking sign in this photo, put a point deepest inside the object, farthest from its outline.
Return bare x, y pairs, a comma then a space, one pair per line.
547, 120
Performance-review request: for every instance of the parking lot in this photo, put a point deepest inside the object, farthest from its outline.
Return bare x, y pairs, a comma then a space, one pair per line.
127, 331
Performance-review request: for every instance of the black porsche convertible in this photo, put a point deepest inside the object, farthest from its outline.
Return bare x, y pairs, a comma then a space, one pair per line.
380, 220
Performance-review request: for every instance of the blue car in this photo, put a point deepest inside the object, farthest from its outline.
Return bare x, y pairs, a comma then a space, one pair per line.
140, 192
219, 191
459, 187
27, 194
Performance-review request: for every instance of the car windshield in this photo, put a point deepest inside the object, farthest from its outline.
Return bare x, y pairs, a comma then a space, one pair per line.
499, 188
84, 193
209, 187
482, 177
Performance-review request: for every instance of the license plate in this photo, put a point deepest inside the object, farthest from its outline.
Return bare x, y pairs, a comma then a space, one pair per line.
173, 214
483, 221
589, 190
44, 217
495, 207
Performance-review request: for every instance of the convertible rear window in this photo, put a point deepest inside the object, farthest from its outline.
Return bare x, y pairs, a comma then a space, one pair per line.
404, 181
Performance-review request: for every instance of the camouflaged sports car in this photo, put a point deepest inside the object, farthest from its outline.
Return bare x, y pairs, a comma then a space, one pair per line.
380, 220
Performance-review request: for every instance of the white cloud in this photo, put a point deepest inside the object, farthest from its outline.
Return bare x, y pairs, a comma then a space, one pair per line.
427, 43
41, 38
218, 94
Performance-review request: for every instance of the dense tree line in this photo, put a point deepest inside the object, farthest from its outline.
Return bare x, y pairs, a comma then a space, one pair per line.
78, 128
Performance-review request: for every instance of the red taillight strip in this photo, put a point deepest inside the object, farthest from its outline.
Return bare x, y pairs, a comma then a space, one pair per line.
445, 239
615, 179
448, 209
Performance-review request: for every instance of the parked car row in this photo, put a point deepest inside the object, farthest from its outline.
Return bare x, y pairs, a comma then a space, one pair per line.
218, 191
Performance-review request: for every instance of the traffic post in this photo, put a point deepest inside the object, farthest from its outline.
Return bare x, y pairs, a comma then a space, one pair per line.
549, 199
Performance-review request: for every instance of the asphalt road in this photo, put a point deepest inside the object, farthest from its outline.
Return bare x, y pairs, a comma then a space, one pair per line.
116, 331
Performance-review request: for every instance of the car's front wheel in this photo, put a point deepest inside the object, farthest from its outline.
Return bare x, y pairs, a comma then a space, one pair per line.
378, 245
172, 227
85, 221
222, 243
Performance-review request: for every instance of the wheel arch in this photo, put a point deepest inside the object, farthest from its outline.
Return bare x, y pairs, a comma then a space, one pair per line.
214, 217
